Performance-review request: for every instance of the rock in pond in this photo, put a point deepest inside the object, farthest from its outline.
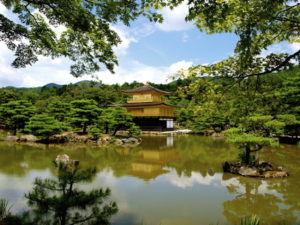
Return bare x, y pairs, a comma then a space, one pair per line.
62, 159
65, 159
11, 138
246, 171
28, 138
255, 169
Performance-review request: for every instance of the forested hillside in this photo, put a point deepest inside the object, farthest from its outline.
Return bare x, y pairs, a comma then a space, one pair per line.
207, 103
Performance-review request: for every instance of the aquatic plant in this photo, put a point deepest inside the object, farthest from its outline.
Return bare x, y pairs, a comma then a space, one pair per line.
4, 209
250, 220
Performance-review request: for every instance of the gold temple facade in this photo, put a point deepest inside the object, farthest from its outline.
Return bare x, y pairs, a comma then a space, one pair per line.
148, 108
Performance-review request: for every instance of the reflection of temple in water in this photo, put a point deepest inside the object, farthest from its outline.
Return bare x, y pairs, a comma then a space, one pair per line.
151, 160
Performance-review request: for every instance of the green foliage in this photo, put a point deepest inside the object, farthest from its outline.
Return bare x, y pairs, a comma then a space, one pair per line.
4, 209
251, 140
7, 95
116, 118
58, 109
134, 131
15, 114
258, 24
94, 131
43, 126
288, 119
84, 113
217, 103
291, 93
275, 127
87, 40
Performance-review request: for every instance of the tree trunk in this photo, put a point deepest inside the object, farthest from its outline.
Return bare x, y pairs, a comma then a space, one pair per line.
247, 155
257, 156
116, 130
106, 128
84, 128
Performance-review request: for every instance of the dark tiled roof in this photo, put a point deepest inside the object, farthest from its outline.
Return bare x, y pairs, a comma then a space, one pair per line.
146, 88
143, 104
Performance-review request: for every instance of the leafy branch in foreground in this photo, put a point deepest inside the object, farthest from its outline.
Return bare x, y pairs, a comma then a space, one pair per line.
87, 38
230, 67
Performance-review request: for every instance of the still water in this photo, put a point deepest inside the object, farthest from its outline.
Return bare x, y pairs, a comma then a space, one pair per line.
165, 180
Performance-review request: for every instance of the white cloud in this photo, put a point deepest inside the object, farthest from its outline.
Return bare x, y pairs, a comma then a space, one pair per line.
131, 35
282, 47
295, 46
180, 65
133, 70
47, 70
126, 39
239, 186
195, 178
2, 9
275, 48
143, 30
13, 188
30, 82
174, 20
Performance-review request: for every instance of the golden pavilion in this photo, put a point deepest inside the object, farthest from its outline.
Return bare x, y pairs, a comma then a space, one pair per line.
147, 106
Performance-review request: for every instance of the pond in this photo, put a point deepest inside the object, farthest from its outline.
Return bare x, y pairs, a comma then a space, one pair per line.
165, 180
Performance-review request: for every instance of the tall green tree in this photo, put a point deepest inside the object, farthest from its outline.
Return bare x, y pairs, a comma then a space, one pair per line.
84, 113
116, 118
258, 131
16, 114
7, 95
58, 109
215, 103
43, 126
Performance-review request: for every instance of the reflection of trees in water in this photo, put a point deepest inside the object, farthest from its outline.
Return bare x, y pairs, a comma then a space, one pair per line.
199, 154
19, 159
289, 158
255, 197
272, 200
59, 201
189, 153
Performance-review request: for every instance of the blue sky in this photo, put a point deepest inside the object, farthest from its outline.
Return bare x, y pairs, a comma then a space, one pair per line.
148, 52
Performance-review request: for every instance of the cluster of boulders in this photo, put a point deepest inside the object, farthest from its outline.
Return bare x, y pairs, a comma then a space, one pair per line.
128, 141
22, 138
77, 138
102, 140
255, 169
69, 137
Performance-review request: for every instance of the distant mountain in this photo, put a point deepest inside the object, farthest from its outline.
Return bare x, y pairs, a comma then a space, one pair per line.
87, 82
50, 85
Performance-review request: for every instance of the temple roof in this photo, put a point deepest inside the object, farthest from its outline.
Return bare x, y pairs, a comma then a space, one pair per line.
143, 104
146, 88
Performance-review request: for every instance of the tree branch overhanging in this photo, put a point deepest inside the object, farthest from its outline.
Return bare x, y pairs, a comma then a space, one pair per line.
277, 68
